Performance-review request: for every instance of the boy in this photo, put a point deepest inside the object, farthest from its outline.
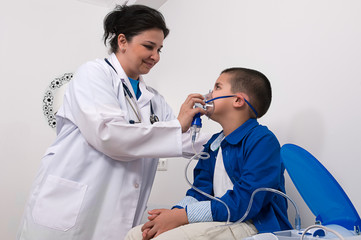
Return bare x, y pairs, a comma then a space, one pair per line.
243, 157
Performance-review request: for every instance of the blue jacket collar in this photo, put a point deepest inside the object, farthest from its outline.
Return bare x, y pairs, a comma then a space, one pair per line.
237, 135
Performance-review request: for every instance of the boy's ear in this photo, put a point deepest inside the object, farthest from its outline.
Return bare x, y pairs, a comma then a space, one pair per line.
239, 100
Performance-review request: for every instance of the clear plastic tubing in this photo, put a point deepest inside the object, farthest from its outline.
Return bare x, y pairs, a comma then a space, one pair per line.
203, 156
297, 217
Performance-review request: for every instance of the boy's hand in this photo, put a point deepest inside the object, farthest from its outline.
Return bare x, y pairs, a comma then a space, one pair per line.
187, 112
162, 220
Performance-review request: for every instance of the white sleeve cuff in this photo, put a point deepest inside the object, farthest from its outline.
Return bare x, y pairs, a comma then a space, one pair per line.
186, 200
199, 212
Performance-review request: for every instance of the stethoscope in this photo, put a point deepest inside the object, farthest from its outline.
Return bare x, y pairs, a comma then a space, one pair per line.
129, 96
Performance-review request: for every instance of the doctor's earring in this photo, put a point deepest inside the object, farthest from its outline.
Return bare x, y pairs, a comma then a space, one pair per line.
122, 50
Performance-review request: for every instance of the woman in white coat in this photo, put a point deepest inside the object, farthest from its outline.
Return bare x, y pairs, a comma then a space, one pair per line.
95, 179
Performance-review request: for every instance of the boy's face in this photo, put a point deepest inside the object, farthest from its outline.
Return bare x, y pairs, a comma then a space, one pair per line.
222, 87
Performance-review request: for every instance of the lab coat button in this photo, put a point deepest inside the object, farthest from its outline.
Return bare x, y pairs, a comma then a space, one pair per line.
136, 185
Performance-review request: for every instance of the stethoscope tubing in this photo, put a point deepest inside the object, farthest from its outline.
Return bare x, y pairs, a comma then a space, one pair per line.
130, 98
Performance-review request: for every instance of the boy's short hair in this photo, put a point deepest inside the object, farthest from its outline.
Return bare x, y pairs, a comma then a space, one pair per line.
255, 84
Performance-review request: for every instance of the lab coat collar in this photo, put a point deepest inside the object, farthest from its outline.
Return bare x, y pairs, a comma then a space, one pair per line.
146, 95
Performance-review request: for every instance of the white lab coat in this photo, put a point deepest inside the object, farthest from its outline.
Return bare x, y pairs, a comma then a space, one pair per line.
95, 180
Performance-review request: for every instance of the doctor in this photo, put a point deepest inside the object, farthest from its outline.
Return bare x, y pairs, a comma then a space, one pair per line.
95, 179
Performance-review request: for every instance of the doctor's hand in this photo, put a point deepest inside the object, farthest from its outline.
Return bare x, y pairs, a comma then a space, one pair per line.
187, 112
162, 220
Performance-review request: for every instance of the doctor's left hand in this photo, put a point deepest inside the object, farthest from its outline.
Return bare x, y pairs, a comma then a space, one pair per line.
162, 220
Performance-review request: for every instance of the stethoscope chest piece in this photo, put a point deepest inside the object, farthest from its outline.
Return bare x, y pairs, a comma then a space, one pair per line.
153, 118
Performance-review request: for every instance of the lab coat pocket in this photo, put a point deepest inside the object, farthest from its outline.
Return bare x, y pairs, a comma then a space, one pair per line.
59, 203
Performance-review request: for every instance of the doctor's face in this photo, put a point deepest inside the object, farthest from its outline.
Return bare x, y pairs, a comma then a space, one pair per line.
141, 53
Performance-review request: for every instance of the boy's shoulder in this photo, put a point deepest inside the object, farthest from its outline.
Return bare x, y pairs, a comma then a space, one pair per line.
251, 128
261, 137
250, 131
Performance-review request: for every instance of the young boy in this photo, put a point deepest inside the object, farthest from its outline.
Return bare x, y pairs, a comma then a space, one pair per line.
243, 157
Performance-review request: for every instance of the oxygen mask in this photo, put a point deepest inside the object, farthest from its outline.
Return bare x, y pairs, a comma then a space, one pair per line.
209, 106
209, 102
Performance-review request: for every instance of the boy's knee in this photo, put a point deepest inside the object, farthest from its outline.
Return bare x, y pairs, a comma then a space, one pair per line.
134, 233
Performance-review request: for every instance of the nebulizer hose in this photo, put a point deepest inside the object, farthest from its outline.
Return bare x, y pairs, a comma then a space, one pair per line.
297, 217
203, 156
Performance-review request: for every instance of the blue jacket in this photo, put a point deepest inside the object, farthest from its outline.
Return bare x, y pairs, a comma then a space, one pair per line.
251, 156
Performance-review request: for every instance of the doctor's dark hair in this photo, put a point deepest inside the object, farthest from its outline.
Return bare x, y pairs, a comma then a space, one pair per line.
255, 84
131, 21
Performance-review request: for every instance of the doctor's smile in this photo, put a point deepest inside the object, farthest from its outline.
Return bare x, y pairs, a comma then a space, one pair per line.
149, 64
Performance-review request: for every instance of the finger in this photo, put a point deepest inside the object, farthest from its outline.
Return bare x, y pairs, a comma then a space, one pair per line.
152, 217
191, 103
145, 232
193, 96
197, 100
151, 233
199, 110
155, 211
146, 225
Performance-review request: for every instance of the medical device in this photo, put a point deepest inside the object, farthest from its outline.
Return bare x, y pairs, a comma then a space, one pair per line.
129, 96
196, 124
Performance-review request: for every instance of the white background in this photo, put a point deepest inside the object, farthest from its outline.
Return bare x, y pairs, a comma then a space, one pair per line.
310, 51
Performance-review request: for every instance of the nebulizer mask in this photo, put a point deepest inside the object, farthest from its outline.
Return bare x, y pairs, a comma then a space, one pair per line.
209, 108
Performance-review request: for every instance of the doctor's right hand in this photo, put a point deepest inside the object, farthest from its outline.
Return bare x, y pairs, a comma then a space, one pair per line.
187, 112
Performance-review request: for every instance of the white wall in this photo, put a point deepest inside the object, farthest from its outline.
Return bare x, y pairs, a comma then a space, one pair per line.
309, 49
39, 41
311, 52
